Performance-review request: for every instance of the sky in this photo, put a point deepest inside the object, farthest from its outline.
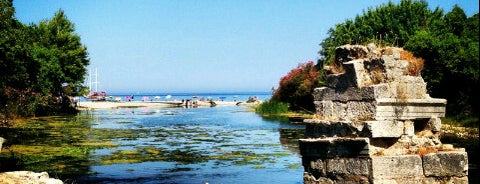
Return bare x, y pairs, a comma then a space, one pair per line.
160, 46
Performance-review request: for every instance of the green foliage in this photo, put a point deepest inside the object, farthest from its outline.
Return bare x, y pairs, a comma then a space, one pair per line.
447, 42
272, 107
389, 24
41, 64
452, 61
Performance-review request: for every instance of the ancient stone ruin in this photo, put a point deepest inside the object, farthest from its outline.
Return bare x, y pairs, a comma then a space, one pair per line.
375, 123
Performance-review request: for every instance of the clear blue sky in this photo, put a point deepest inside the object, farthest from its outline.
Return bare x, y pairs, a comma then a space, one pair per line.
202, 45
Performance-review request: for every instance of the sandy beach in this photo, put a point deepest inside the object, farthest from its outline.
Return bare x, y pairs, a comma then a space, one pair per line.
109, 104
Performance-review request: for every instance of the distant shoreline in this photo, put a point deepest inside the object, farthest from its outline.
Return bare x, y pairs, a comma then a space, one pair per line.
85, 105
191, 93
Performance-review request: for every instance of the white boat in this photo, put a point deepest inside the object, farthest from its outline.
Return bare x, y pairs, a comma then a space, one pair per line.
95, 95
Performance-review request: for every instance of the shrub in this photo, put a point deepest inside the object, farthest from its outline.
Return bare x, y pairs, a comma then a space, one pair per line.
272, 107
297, 86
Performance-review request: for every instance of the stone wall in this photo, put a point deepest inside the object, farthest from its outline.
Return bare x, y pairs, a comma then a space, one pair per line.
376, 123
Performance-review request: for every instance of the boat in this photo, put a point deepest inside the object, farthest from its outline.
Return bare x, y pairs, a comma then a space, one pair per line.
95, 95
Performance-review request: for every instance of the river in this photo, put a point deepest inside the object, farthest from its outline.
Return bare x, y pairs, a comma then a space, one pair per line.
205, 145
159, 145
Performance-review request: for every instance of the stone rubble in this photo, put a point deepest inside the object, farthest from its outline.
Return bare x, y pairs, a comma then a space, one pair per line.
376, 123
28, 177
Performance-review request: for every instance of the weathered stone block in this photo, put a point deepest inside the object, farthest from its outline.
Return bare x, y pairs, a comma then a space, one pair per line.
323, 93
409, 87
316, 128
315, 166
437, 180
334, 147
384, 181
442, 164
360, 110
375, 91
349, 52
435, 124
339, 110
348, 166
351, 110
356, 70
310, 179
349, 94
389, 129
391, 167
324, 108
409, 180
340, 81
402, 109
368, 93
409, 128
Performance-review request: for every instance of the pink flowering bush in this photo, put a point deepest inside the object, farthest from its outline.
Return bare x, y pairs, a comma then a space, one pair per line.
297, 86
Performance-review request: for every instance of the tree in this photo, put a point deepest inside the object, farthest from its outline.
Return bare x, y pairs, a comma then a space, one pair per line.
61, 56
452, 61
40, 64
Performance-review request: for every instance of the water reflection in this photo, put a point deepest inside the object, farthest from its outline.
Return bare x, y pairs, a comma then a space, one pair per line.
166, 145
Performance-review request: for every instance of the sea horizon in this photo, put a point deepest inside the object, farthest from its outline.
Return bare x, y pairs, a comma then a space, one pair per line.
166, 96
190, 93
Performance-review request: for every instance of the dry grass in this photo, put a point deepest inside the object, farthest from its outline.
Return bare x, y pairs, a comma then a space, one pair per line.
415, 64
427, 150
386, 51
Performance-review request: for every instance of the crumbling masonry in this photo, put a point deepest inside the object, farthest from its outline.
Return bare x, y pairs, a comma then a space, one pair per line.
375, 123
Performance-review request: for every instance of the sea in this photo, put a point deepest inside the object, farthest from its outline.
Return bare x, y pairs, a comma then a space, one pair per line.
178, 96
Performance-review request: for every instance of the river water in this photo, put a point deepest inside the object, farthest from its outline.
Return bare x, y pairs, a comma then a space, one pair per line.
196, 145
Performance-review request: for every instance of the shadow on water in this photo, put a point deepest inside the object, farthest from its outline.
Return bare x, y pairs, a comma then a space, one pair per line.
289, 138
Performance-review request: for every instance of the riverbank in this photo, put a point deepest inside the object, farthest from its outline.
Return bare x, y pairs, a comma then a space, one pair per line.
108, 104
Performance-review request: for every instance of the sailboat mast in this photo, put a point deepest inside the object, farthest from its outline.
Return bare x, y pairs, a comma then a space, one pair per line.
96, 79
90, 80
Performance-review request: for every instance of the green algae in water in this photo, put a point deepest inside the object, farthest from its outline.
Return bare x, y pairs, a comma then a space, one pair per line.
58, 145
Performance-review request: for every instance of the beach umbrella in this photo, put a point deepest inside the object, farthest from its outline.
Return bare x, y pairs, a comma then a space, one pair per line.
168, 96
145, 98
156, 97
